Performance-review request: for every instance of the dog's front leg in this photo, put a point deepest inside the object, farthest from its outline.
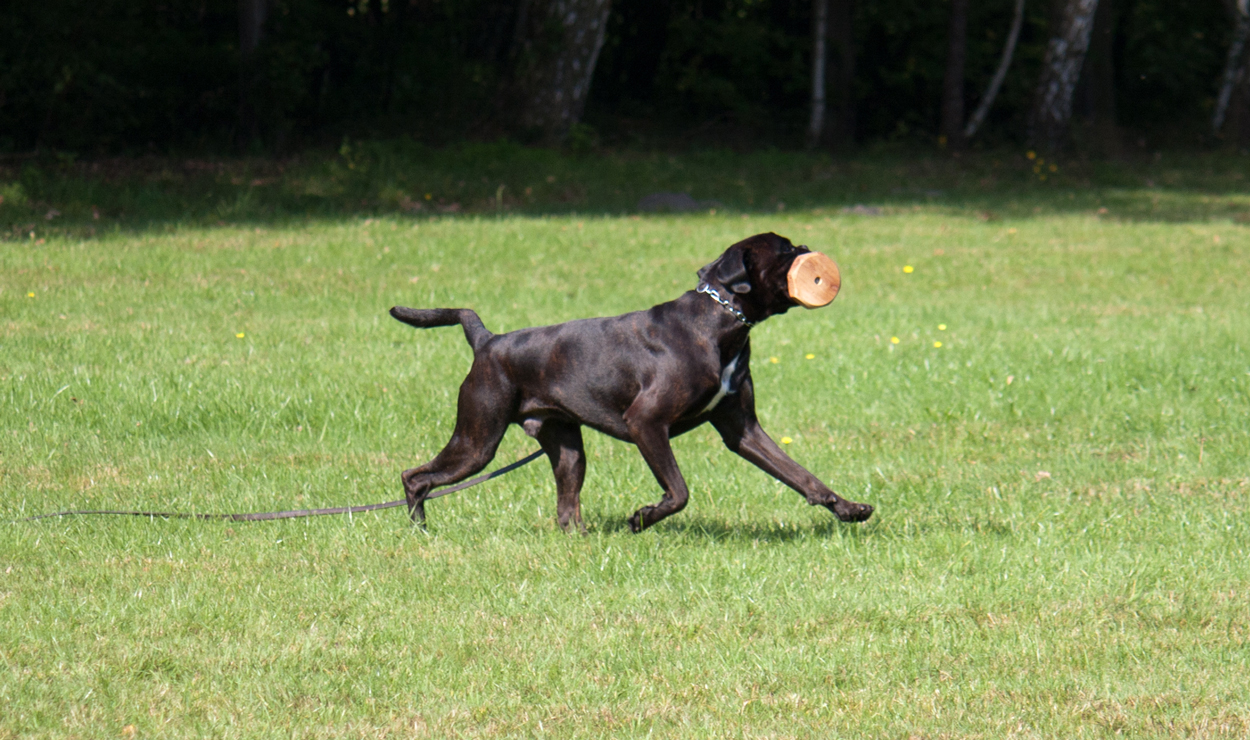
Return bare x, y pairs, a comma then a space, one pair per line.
651, 438
742, 433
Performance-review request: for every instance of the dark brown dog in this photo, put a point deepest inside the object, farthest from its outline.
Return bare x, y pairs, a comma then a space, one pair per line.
643, 377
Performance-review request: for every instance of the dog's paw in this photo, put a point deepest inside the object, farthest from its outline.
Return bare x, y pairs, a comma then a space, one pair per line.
849, 511
635, 522
416, 512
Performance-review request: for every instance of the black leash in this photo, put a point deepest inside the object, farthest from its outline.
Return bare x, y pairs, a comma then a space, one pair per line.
296, 513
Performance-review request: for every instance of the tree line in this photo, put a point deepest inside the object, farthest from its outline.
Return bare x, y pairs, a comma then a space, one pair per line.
274, 75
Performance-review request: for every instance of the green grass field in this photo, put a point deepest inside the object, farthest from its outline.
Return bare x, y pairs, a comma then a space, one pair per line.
1061, 547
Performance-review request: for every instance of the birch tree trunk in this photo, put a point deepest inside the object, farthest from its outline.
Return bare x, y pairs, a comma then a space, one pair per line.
952, 128
820, 30
991, 92
556, 46
1061, 69
1233, 69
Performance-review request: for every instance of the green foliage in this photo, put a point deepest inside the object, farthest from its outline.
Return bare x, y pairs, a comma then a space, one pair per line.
735, 60
102, 75
1169, 61
582, 138
1060, 545
110, 77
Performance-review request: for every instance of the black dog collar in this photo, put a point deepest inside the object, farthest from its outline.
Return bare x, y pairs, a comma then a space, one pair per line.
711, 293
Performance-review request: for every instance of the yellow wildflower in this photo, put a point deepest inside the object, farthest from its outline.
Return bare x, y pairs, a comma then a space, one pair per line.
893, 340
786, 440
908, 269
941, 327
937, 344
773, 360
239, 335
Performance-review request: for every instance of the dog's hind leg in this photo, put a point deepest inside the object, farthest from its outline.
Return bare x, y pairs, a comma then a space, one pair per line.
481, 420
563, 444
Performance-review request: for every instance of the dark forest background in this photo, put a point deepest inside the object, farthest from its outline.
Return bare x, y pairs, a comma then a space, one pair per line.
140, 76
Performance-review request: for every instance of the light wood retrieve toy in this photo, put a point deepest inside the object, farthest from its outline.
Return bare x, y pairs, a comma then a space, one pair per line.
813, 280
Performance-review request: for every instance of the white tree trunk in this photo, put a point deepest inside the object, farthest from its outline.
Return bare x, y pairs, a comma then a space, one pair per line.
560, 43
1060, 71
991, 92
1233, 69
820, 31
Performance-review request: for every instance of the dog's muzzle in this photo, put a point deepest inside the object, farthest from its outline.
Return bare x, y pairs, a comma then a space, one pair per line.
813, 280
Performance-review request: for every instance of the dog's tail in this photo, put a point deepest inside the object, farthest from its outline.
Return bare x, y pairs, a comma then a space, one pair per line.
425, 318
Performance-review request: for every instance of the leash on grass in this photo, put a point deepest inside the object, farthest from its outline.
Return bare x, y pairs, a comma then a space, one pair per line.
295, 513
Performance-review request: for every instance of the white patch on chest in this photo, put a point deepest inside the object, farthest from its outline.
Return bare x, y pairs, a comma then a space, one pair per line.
726, 375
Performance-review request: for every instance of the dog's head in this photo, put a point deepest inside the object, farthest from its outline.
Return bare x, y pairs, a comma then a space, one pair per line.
755, 272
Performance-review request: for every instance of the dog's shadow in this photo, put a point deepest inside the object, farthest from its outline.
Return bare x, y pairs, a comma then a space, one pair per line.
717, 530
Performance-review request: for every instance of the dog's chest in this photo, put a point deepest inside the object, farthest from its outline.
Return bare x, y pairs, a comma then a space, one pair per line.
726, 383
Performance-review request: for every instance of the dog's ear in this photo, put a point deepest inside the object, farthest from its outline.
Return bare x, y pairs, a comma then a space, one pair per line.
730, 270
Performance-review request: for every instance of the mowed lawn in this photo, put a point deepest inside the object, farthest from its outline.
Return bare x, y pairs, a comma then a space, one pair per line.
1061, 546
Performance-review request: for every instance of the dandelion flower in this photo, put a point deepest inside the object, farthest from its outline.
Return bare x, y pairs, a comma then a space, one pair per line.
786, 440
893, 340
239, 335
773, 360
941, 327
30, 294
809, 356
937, 344
908, 269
